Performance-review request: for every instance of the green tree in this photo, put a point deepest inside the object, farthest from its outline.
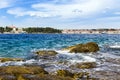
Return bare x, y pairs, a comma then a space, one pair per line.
1, 29
8, 29
41, 30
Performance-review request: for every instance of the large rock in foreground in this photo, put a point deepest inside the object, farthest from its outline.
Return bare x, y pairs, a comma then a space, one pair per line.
84, 48
27, 73
22, 70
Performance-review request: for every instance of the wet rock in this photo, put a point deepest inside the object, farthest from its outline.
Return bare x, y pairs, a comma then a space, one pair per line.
84, 48
14, 70
27, 73
10, 59
45, 77
107, 75
75, 76
79, 75
84, 65
113, 60
46, 53
38, 73
64, 73
7, 77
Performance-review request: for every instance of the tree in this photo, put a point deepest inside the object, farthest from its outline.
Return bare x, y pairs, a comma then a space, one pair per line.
41, 30
1, 29
8, 29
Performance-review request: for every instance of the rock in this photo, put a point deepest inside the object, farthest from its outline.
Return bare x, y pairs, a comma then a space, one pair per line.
106, 75
20, 77
46, 53
46, 77
85, 65
82, 75
22, 70
113, 60
75, 76
7, 77
64, 73
10, 59
38, 73
84, 48
79, 75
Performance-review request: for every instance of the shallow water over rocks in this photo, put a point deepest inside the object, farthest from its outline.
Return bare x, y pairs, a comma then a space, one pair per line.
107, 60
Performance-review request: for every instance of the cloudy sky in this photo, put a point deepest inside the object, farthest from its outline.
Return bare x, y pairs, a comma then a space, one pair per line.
61, 14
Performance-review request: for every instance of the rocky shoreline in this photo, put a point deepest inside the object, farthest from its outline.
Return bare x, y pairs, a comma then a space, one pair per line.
51, 65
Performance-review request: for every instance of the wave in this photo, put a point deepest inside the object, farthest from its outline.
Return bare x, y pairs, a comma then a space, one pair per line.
71, 58
74, 58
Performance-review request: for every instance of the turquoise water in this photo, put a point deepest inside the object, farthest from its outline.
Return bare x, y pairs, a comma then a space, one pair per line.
21, 45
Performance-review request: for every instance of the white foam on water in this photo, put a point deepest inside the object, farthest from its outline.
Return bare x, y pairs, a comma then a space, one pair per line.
72, 58
109, 55
75, 57
18, 63
115, 47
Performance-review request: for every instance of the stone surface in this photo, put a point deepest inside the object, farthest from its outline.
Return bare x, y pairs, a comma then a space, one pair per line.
83, 48
84, 65
10, 59
46, 53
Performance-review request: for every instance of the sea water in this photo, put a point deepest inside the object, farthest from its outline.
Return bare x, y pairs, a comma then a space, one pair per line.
24, 46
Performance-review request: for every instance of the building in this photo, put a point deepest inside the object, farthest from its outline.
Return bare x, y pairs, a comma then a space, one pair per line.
91, 31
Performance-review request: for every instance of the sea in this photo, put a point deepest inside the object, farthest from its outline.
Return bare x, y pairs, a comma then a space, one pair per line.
25, 45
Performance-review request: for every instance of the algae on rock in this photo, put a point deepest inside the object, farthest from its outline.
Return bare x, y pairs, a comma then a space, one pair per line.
64, 73
22, 70
85, 65
10, 59
46, 53
75, 76
84, 48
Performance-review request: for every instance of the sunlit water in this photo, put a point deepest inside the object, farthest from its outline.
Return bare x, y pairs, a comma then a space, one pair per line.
21, 45
24, 45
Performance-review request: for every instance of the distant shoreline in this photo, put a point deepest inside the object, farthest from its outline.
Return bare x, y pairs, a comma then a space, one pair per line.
59, 33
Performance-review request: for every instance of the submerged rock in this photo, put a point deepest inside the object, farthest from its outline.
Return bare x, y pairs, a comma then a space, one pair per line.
84, 48
46, 53
84, 65
10, 59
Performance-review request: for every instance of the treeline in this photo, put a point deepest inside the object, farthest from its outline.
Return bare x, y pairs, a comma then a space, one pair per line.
5, 29
41, 30
32, 30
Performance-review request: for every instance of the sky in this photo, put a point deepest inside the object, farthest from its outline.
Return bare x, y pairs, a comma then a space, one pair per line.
61, 14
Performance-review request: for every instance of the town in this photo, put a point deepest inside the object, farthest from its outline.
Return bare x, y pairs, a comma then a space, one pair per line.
91, 31
15, 30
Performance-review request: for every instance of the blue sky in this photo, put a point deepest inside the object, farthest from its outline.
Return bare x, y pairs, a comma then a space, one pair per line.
62, 14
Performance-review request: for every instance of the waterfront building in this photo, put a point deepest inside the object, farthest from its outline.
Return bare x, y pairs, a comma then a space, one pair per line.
91, 31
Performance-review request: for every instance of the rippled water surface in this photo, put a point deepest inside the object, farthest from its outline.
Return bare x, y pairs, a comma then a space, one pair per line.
21, 45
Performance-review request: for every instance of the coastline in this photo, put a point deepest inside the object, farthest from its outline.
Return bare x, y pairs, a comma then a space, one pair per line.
59, 33
97, 66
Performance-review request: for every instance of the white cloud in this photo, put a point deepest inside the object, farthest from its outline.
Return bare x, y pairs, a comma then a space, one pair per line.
5, 3
17, 11
78, 8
